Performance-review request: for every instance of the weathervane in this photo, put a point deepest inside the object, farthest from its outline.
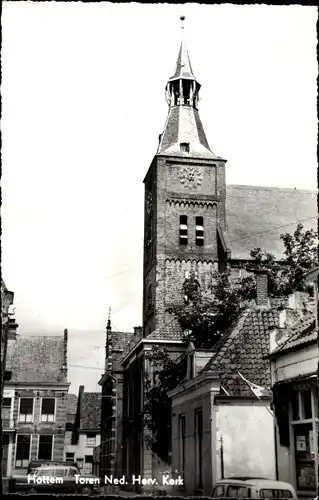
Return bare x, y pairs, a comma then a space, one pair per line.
182, 18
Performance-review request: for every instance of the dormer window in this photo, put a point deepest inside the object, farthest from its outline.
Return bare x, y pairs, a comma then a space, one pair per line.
184, 147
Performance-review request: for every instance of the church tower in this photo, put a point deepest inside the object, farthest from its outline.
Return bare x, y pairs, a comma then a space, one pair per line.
185, 193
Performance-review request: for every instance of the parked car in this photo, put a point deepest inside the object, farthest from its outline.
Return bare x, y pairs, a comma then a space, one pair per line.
54, 477
252, 487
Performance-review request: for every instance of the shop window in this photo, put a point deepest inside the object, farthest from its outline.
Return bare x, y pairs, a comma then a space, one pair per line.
45, 447
301, 405
48, 410
26, 410
23, 450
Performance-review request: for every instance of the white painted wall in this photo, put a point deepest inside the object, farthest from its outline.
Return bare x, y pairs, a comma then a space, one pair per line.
247, 430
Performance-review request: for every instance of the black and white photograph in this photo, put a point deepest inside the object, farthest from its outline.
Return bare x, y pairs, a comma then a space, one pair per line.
159, 266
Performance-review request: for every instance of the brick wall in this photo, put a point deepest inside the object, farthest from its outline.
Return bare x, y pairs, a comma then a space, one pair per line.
165, 260
36, 427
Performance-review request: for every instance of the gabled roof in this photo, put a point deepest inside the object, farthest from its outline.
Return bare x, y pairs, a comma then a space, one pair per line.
120, 339
36, 359
257, 216
302, 332
242, 349
90, 411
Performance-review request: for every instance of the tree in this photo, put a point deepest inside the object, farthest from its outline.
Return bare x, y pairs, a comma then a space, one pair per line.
207, 314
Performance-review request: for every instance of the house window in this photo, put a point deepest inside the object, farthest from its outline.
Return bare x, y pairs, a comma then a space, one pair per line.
23, 450
45, 447
88, 464
91, 439
184, 147
6, 409
69, 457
48, 409
182, 424
199, 231
183, 231
26, 410
199, 447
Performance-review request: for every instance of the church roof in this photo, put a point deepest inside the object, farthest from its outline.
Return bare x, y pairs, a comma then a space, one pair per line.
257, 216
183, 67
183, 125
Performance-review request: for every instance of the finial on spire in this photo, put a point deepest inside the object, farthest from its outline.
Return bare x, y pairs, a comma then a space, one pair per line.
182, 18
109, 320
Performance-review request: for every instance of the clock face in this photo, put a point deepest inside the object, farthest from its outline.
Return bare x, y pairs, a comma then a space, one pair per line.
149, 203
190, 177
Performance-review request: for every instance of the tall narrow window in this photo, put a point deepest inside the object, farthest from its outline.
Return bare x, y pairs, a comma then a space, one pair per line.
199, 231
48, 408
6, 411
183, 231
182, 423
45, 447
23, 450
26, 410
199, 447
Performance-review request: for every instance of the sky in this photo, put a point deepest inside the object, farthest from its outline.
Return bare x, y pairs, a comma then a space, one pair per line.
83, 94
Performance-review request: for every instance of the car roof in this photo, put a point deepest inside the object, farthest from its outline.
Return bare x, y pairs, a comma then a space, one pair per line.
50, 463
256, 481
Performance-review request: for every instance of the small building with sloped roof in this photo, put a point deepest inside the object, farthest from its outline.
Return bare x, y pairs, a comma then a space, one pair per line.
35, 399
294, 360
222, 418
86, 430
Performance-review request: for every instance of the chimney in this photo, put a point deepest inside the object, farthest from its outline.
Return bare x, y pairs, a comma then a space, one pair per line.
137, 330
261, 288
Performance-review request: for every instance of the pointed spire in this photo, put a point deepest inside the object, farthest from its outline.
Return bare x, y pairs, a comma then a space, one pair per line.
184, 133
108, 327
183, 67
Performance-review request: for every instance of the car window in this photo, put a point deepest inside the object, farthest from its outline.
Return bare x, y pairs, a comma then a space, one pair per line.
61, 472
72, 472
271, 493
219, 491
238, 492
45, 472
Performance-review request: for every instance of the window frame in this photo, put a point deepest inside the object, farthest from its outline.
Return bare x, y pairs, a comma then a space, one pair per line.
32, 414
87, 439
182, 441
183, 230
199, 447
16, 451
52, 446
69, 459
199, 231
54, 413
